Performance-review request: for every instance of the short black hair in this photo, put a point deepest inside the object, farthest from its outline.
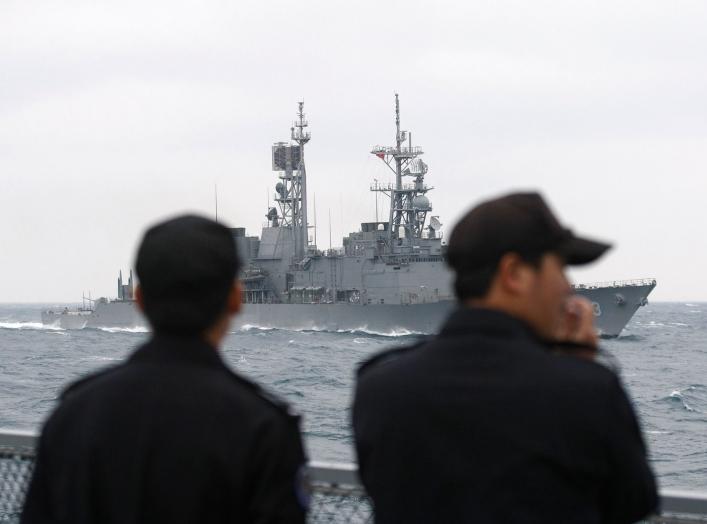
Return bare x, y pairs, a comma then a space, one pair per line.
475, 283
186, 268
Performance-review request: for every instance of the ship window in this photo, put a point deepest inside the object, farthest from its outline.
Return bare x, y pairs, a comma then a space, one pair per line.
382, 301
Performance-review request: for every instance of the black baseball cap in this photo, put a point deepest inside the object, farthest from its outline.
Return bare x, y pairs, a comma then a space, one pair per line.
520, 223
186, 267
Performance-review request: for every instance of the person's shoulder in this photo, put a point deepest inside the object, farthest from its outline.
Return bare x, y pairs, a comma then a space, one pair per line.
262, 396
577, 370
82, 383
388, 358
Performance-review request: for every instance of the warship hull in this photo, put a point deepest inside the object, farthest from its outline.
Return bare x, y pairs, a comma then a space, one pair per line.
615, 303
115, 314
614, 306
66, 320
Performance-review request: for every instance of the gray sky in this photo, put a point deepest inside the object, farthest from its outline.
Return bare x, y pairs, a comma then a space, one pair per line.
114, 116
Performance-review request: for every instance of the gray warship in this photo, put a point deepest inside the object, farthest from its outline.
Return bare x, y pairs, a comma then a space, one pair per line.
389, 277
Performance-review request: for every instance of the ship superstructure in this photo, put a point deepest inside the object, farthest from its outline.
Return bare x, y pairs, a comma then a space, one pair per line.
395, 262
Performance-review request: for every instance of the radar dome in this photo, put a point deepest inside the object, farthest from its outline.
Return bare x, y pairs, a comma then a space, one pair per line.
280, 188
421, 202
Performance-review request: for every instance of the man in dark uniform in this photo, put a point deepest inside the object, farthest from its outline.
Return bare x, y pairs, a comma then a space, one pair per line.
486, 422
172, 435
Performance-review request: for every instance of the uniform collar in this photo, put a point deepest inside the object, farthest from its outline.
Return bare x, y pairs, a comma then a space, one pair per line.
178, 348
474, 320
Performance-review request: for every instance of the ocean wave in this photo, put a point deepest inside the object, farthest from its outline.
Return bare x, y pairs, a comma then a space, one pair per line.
30, 325
677, 395
253, 327
362, 330
133, 329
98, 358
632, 337
392, 333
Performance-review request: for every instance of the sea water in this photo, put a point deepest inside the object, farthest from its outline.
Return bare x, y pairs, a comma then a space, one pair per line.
662, 354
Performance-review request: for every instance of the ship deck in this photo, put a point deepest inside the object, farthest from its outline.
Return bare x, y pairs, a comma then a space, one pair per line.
337, 494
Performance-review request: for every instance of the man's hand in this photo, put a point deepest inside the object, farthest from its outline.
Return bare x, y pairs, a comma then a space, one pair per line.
577, 325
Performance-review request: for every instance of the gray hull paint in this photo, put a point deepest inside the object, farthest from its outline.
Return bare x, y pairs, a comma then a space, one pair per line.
119, 313
615, 305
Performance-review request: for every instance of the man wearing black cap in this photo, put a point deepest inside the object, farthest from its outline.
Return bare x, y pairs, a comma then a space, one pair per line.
172, 435
486, 422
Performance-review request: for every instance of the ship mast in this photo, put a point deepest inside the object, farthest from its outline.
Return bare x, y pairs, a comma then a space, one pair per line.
291, 191
408, 204
301, 137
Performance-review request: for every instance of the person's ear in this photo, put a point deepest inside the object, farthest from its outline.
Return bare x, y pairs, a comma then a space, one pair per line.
514, 274
235, 298
139, 298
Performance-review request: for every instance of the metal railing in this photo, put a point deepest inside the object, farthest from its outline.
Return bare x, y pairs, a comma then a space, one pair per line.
618, 283
337, 494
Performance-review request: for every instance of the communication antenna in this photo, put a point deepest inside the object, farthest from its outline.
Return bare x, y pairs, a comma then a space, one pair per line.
329, 229
408, 204
315, 219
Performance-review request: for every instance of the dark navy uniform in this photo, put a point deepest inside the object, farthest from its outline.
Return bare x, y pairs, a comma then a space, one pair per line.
483, 424
174, 436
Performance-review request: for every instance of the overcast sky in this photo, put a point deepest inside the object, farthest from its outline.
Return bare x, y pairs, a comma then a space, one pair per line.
115, 116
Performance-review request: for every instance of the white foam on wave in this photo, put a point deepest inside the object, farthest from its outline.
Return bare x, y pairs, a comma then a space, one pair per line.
654, 324
30, 325
392, 333
252, 327
133, 329
677, 394
99, 358
656, 432
317, 329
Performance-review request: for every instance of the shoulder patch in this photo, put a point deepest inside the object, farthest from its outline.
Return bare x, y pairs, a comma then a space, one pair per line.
387, 355
76, 385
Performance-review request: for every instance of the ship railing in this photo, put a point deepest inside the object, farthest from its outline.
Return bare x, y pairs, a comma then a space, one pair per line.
337, 495
377, 186
617, 283
404, 151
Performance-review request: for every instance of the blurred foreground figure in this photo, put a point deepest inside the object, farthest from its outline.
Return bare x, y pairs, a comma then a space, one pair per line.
172, 435
486, 422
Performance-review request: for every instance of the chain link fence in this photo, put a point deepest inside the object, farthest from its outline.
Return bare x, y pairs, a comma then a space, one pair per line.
336, 494
15, 471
